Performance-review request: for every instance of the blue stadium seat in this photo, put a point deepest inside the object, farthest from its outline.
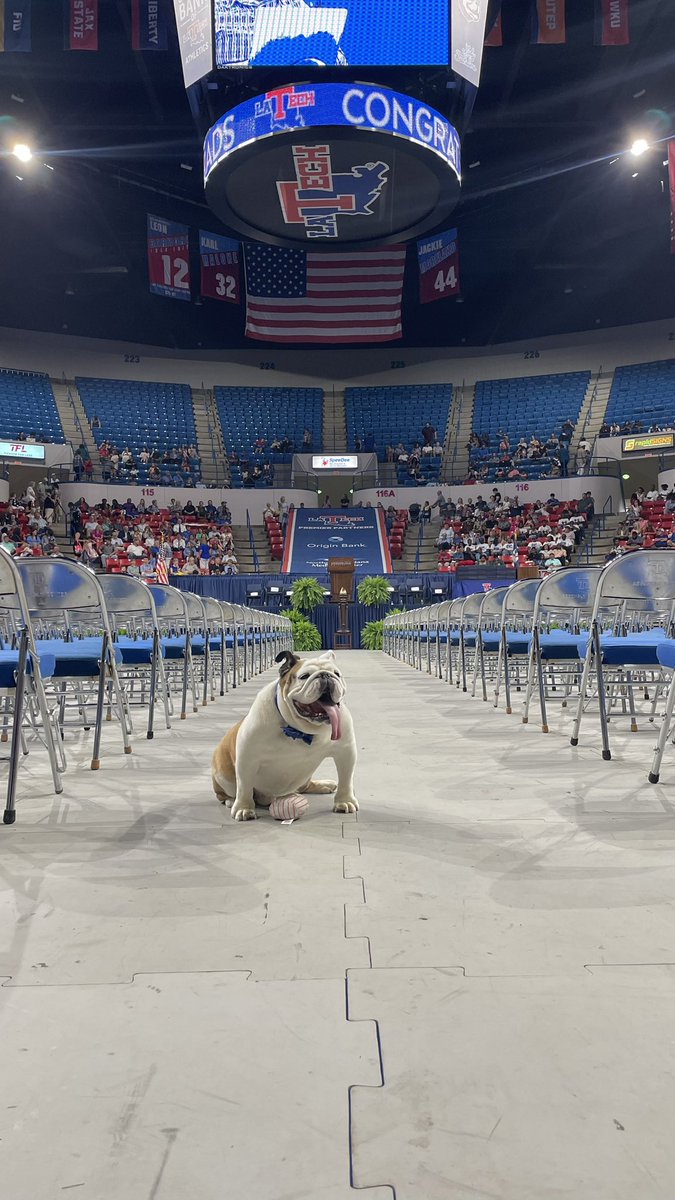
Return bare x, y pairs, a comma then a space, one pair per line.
247, 413
137, 414
397, 414
27, 405
643, 392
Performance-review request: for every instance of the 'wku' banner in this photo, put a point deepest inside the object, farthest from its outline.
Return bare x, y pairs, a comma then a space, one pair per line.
168, 258
671, 179
148, 25
15, 26
438, 259
83, 24
220, 267
548, 22
612, 23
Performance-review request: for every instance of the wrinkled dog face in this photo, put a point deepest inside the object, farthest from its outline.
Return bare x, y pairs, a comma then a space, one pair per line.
313, 689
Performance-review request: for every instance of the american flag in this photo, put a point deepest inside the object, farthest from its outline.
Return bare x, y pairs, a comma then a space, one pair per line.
314, 296
161, 573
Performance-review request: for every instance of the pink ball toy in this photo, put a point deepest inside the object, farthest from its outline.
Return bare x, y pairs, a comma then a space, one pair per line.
289, 808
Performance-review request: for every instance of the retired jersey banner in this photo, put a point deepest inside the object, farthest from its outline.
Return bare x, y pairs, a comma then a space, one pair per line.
671, 179
149, 24
15, 33
612, 23
83, 24
438, 259
548, 22
168, 258
314, 535
220, 267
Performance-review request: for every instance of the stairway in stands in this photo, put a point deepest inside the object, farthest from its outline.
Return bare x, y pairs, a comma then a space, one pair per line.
210, 442
425, 536
76, 428
593, 410
334, 421
456, 455
244, 552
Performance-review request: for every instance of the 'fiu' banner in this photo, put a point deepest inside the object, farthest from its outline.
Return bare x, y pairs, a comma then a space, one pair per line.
83, 24
148, 24
612, 23
315, 535
467, 34
671, 178
220, 267
168, 258
15, 15
548, 22
438, 259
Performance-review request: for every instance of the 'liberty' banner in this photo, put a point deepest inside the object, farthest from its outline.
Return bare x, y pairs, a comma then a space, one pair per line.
438, 259
15, 26
220, 267
148, 24
83, 24
168, 258
671, 179
548, 22
467, 34
314, 535
612, 23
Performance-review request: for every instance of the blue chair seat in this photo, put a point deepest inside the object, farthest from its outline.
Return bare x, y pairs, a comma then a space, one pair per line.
517, 642
491, 639
9, 660
174, 647
79, 658
635, 650
665, 652
136, 651
561, 644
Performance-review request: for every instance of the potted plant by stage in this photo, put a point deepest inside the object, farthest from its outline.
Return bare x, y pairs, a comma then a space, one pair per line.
306, 594
374, 589
306, 636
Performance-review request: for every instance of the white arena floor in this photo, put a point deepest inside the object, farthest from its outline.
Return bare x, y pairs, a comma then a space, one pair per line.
467, 992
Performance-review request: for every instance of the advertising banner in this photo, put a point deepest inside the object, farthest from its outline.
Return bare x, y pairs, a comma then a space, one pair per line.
83, 24
194, 23
219, 257
467, 24
149, 24
168, 258
438, 259
315, 535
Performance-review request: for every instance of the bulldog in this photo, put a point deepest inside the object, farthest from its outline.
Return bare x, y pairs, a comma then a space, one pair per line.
293, 724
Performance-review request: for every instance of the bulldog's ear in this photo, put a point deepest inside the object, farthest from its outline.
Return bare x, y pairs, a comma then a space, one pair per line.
287, 659
329, 654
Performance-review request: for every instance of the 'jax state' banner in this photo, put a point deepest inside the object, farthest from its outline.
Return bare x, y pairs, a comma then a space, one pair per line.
313, 535
83, 24
219, 258
671, 180
467, 34
548, 22
612, 28
149, 24
168, 258
15, 25
438, 259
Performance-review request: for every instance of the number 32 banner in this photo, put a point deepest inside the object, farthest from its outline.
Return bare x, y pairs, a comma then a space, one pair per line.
220, 267
438, 259
168, 258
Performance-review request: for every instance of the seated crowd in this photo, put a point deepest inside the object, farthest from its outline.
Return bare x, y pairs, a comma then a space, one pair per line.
27, 522
195, 539
500, 530
619, 429
648, 523
499, 460
418, 463
179, 466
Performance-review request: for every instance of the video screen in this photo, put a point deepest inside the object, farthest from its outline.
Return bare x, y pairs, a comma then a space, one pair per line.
315, 33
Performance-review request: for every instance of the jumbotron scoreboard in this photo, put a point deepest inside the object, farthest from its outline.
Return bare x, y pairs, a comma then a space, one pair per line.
305, 152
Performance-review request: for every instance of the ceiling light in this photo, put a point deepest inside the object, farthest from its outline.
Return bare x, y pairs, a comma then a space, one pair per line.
19, 99
48, 166
20, 177
22, 152
568, 291
185, 167
640, 146
625, 476
636, 95
474, 164
635, 174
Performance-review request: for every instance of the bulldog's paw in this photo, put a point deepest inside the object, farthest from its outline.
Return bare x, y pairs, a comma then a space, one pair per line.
320, 787
243, 812
346, 806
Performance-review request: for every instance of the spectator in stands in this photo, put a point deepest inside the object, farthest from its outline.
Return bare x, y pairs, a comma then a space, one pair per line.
437, 449
230, 564
429, 433
307, 439
425, 513
344, 501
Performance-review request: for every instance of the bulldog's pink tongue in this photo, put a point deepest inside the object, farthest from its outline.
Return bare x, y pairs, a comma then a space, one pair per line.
333, 714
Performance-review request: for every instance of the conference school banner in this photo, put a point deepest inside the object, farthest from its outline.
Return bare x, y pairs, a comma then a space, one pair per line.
671, 180
149, 24
219, 257
15, 32
315, 535
612, 25
438, 259
548, 22
168, 258
82, 24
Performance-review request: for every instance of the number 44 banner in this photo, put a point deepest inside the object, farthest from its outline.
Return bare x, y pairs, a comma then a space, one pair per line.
439, 266
220, 267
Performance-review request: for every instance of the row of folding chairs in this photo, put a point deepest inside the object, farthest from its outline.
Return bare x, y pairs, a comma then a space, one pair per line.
78, 649
592, 640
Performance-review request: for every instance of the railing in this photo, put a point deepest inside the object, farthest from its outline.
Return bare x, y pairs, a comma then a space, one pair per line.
420, 542
77, 422
598, 527
594, 396
251, 542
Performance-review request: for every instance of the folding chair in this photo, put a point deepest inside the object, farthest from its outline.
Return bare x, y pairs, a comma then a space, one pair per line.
133, 619
515, 635
176, 637
488, 634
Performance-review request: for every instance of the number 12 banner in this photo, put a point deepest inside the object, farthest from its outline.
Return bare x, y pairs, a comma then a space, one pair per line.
220, 267
438, 259
168, 258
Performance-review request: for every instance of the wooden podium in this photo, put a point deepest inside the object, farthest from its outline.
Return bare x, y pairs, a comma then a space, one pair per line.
341, 571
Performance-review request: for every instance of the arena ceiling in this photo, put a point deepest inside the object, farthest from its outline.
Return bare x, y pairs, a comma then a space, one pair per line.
556, 234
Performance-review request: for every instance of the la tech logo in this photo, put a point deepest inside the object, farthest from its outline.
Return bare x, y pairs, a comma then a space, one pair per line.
284, 102
317, 197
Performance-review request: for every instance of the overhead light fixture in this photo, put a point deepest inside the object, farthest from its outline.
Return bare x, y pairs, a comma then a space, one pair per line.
18, 99
48, 166
20, 177
185, 167
474, 164
625, 476
568, 291
635, 174
640, 146
22, 152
